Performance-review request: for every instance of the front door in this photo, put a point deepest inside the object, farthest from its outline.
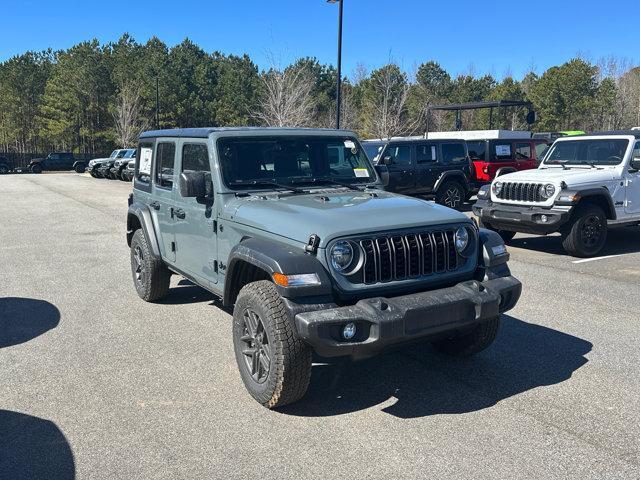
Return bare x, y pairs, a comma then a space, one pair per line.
632, 190
400, 168
164, 185
525, 156
195, 235
428, 166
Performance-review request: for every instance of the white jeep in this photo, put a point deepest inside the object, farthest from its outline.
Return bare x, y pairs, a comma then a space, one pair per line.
585, 185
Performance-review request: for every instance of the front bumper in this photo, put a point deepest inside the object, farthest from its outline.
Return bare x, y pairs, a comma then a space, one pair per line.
521, 218
382, 322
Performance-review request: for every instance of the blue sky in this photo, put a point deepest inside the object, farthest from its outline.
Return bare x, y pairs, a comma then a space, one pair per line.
491, 37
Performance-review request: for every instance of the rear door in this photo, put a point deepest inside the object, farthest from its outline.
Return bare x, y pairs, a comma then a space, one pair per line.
502, 156
427, 166
525, 155
195, 235
164, 184
400, 168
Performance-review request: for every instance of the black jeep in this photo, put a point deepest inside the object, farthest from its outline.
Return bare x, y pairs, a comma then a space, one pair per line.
57, 161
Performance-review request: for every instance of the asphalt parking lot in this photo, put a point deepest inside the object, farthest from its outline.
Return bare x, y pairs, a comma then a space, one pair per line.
96, 383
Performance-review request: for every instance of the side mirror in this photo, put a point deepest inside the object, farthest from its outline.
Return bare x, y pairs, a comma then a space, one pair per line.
195, 185
383, 173
635, 164
387, 160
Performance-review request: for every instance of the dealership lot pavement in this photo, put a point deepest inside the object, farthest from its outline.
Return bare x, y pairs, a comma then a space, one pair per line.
95, 383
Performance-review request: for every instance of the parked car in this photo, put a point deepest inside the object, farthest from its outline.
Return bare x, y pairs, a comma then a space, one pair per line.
104, 170
127, 173
120, 163
57, 161
309, 251
95, 166
586, 185
5, 166
433, 168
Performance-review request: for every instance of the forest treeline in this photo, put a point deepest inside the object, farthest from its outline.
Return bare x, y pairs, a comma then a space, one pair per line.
94, 97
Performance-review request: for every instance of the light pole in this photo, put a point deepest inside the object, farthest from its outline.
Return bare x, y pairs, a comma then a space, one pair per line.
338, 87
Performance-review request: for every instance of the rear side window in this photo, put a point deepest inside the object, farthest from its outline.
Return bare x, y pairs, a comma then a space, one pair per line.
636, 150
195, 158
541, 149
426, 153
502, 151
453, 153
143, 171
400, 155
477, 149
523, 150
165, 155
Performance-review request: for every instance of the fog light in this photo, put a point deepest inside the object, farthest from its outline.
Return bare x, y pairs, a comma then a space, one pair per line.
349, 331
544, 218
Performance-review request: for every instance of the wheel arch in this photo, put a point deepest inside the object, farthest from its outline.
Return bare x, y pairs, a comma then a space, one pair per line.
139, 217
452, 175
600, 197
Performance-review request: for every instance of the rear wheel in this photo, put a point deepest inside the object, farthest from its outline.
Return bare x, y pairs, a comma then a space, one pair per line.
451, 194
36, 168
150, 275
4, 169
506, 235
79, 168
587, 232
275, 365
471, 343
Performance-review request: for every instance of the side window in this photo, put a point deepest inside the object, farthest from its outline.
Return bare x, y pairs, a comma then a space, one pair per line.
636, 150
195, 158
523, 151
165, 155
400, 155
477, 149
143, 164
453, 153
502, 151
541, 149
426, 153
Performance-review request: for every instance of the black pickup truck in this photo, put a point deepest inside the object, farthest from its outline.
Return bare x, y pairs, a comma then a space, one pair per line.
57, 161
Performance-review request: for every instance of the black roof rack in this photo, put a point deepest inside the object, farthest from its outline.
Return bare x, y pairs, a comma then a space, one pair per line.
458, 107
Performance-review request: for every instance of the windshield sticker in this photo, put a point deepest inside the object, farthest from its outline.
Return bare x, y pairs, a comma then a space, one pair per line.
361, 172
503, 150
145, 161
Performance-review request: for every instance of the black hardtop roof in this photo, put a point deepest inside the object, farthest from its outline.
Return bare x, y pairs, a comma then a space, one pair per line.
635, 133
415, 140
204, 132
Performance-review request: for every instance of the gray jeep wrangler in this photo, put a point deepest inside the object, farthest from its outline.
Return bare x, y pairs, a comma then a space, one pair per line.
291, 228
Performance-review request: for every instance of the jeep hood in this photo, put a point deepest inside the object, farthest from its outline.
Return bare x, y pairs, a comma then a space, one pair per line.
571, 176
332, 215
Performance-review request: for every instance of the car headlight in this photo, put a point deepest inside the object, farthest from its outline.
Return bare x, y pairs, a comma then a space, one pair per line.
497, 187
341, 256
461, 239
547, 191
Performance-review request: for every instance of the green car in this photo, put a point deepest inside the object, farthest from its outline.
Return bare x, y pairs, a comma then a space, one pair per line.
292, 229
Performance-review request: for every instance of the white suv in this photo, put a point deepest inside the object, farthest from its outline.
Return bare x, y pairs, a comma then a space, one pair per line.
585, 185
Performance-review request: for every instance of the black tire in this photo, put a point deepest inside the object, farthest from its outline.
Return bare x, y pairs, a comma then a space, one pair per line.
36, 168
471, 343
506, 235
587, 232
451, 194
93, 174
263, 328
150, 275
79, 168
4, 169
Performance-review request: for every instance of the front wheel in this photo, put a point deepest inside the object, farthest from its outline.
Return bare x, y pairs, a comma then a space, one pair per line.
451, 195
587, 232
150, 275
471, 343
274, 363
4, 169
79, 168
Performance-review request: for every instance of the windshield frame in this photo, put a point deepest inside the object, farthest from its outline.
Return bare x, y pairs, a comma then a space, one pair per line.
301, 182
574, 163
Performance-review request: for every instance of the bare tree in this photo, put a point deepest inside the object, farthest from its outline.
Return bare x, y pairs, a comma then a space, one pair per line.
285, 100
127, 116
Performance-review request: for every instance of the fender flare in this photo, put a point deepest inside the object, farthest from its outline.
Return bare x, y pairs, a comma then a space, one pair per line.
602, 192
505, 170
457, 175
275, 257
143, 215
76, 162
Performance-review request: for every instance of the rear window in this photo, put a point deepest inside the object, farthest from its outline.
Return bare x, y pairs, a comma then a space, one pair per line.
501, 152
453, 153
165, 156
426, 153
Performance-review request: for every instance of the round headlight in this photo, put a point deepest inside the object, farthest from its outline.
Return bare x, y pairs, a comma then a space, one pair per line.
461, 239
341, 256
497, 187
547, 190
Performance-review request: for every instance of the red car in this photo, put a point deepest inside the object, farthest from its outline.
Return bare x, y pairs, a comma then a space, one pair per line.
492, 158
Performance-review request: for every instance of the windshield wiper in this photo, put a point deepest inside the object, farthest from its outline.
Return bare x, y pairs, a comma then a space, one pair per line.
331, 180
269, 183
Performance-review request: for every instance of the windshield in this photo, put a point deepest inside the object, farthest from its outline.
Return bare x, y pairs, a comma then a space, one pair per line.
121, 153
373, 149
587, 152
113, 154
292, 160
129, 153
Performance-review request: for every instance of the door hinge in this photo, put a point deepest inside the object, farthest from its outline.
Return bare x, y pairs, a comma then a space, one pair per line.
215, 226
173, 246
215, 266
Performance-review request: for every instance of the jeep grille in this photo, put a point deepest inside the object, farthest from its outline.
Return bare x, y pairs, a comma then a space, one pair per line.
398, 257
521, 192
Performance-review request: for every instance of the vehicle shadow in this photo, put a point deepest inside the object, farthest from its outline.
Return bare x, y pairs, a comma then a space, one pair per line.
31, 447
421, 382
619, 241
22, 319
187, 292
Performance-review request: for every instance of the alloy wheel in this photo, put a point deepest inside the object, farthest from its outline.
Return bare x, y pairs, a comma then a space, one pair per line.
256, 349
138, 259
452, 197
591, 231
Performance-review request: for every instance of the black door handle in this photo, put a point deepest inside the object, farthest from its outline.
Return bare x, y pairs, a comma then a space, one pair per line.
155, 205
178, 212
